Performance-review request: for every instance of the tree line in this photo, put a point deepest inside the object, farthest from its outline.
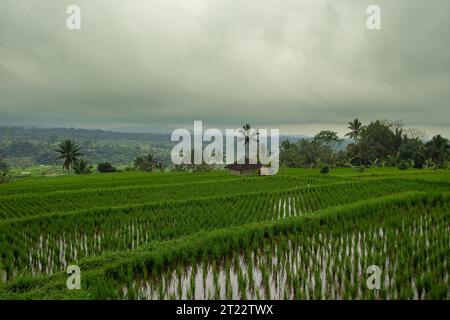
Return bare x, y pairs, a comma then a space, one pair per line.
380, 143
377, 144
69, 152
26, 147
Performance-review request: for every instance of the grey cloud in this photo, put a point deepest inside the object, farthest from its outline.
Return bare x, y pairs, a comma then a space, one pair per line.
224, 61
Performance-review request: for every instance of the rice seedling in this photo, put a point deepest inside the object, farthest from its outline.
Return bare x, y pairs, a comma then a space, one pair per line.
214, 236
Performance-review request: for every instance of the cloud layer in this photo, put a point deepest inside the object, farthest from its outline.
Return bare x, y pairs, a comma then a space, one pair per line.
269, 62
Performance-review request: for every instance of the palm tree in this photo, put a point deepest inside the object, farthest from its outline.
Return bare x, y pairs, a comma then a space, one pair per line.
356, 128
438, 149
286, 144
81, 166
247, 134
69, 152
246, 129
147, 163
150, 159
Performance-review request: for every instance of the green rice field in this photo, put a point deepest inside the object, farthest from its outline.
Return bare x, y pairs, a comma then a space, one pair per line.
297, 235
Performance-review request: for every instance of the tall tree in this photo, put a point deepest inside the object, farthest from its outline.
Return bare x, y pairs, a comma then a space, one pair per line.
246, 129
69, 152
438, 149
290, 154
363, 150
385, 141
328, 138
412, 150
249, 134
312, 152
356, 128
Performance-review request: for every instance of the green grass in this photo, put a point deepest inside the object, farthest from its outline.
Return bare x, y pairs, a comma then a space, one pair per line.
135, 230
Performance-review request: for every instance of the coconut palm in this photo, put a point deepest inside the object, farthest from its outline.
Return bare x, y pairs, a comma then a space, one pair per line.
150, 158
69, 152
248, 133
286, 144
147, 163
81, 166
356, 128
247, 130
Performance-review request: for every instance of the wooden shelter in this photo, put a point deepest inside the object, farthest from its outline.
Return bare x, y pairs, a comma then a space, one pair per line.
245, 169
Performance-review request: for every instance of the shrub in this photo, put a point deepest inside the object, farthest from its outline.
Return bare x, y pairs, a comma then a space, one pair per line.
148, 163
3, 166
325, 169
447, 165
81, 167
403, 165
106, 167
201, 168
5, 176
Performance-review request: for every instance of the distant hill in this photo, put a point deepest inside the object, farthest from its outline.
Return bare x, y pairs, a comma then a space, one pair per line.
22, 147
30, 146
19, 133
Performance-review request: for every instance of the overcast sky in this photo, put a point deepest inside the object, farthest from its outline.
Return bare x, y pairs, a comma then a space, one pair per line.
298, 65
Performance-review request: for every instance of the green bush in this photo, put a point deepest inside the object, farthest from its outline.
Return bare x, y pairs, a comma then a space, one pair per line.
3, 166
403, 165
106, 167
5, 176
81, 167
325, 169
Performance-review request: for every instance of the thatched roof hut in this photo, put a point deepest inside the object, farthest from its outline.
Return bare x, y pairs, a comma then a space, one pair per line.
244, 169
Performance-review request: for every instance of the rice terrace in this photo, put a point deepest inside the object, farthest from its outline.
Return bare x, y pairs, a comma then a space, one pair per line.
211, 235
216, 158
